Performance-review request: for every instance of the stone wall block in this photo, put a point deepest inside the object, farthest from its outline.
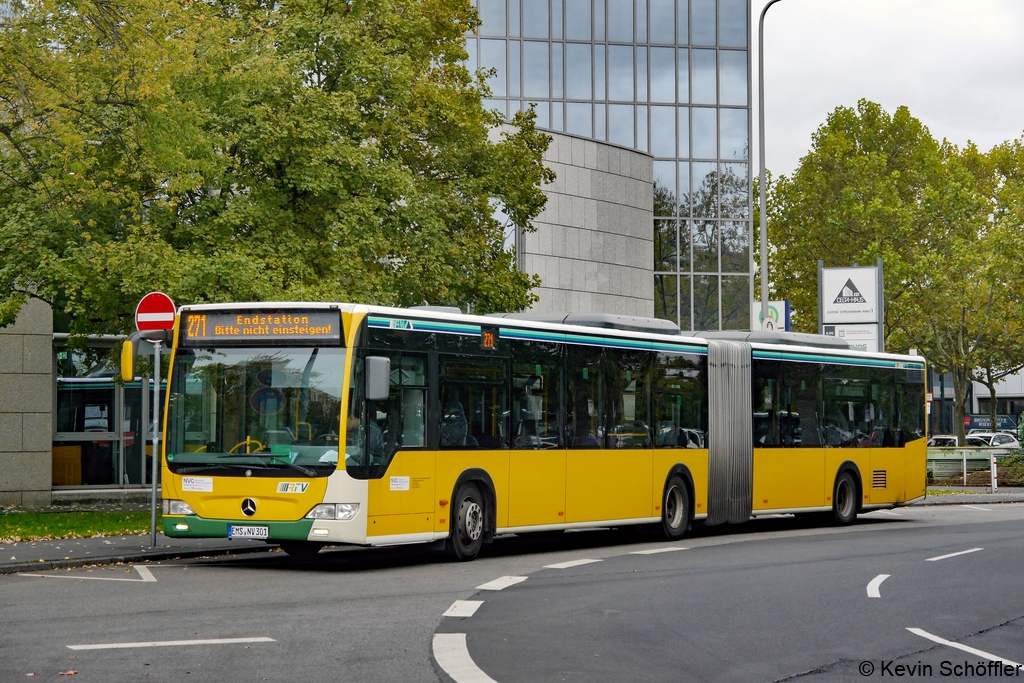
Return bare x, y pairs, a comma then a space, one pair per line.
36, 499
579, 157
38, 355
25, 394
35, 317
11, 353
24, 472
11, 432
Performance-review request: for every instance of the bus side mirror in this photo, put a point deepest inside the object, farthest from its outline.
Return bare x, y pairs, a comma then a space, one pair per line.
378, 378
129, 357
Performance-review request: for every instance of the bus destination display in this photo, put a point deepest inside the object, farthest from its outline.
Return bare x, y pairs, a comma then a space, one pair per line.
318, 325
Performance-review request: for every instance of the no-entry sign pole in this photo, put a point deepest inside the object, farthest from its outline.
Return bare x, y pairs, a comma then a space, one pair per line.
156, 440
155, 312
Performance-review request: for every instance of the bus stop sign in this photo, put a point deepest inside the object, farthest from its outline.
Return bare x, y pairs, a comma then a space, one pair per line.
155, 312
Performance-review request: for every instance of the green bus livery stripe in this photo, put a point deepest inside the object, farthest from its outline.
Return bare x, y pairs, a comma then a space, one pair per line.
199, 527
837, 360
427, 326
589, 340
538, 335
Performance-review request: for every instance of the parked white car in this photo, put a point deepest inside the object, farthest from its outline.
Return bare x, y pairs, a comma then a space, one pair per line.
997, 439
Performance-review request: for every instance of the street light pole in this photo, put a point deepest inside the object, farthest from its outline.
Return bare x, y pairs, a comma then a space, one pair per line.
762, 189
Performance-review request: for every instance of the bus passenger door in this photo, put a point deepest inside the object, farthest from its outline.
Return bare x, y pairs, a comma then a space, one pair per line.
536, 490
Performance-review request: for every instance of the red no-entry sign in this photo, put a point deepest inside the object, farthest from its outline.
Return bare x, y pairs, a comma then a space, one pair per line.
155, 312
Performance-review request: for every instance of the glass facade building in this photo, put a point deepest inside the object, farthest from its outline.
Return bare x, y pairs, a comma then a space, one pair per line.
666, 77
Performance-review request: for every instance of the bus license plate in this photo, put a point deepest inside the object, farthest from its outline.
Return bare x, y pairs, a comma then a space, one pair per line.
248, 532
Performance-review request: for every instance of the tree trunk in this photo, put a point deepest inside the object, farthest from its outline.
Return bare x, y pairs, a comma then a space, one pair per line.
992, 407
961, 384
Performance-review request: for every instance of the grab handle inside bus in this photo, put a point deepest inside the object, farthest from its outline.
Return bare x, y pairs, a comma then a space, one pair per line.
378, 378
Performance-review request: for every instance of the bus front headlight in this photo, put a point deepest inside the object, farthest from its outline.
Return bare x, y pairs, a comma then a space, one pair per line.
177, 507
339, 511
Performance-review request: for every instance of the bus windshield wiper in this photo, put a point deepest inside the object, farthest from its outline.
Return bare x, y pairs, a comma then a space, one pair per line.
282, 460
305, 470
219, 465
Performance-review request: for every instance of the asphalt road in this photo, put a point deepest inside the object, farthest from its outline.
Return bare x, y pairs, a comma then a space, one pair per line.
770, 600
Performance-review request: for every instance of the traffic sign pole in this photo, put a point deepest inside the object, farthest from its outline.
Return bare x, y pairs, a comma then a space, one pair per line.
156, 437
156, 311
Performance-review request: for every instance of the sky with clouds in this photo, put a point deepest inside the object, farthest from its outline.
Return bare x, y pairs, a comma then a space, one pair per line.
958, 65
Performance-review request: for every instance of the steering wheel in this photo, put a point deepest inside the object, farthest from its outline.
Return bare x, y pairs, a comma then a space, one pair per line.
247, 443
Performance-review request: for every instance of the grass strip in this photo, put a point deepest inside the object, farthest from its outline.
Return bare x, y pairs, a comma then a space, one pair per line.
45, 526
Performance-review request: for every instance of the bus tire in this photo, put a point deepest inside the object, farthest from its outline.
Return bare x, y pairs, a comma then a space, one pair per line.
675, 509
844, 499
466, 530
301, 551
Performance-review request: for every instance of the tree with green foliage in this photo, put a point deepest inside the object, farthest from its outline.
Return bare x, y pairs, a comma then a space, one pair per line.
224, 151
876, 185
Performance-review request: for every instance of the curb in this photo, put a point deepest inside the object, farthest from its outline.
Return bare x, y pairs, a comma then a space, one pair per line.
125, 559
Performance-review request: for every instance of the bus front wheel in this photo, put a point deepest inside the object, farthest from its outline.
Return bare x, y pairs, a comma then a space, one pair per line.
844, 499
675, 509
466, 533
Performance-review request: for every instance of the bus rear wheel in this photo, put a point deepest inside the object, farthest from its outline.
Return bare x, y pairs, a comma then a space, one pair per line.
466, 533
675, 509
844, 499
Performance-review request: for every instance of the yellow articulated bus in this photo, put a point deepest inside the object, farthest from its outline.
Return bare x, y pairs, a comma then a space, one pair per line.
316, 424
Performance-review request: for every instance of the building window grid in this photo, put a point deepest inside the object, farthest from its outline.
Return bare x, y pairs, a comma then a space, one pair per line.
602, 98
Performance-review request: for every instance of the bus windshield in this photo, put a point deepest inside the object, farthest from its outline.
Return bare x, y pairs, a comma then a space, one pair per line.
255, 411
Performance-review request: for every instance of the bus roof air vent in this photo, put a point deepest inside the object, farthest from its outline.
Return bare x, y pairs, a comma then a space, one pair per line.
606, 320
786, 338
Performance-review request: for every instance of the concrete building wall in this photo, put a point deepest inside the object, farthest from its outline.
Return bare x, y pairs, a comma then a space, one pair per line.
594, 242
26, 407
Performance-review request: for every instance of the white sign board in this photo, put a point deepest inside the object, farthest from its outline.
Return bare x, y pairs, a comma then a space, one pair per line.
778, 315
859, 337
849, 295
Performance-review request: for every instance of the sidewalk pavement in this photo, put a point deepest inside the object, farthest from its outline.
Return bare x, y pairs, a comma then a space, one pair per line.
78, 552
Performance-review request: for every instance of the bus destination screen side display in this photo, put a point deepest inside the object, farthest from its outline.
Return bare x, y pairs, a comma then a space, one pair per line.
294, 326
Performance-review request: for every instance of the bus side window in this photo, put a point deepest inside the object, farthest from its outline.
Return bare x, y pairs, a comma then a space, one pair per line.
535, 398
474, 402
628, 390
679, 401
585, 404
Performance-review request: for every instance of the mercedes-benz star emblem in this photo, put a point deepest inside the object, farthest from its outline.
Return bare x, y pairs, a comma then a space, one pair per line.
248, 507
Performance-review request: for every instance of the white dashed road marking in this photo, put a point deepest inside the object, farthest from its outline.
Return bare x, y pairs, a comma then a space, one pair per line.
975, 507
463, 608
171, 643
501, 583
656, 551
452, 656
888, 512
144, 572
874, 585
570, 563
979, 653
962, 552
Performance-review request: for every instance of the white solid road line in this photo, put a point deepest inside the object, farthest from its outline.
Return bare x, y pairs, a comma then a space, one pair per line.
875, 583
463, 608
501, 583
452, 655
144, 572
171, 643
962, 552
888, 512
657, 550
975, 507
980, 653
570, 563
